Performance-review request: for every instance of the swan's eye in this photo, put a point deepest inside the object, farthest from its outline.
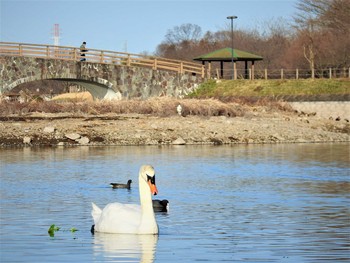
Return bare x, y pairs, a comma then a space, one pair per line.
152, 179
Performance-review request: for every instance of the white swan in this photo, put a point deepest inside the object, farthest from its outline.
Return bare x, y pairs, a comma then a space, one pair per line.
129, 218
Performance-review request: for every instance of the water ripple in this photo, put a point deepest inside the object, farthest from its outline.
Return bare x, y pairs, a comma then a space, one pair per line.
272, 203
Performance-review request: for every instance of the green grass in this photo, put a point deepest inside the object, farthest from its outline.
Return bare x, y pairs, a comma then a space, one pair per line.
272, 88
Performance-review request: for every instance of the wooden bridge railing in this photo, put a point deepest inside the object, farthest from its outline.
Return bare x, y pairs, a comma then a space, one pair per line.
99, 56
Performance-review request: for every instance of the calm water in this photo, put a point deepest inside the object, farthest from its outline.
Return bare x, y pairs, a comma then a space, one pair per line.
256, 203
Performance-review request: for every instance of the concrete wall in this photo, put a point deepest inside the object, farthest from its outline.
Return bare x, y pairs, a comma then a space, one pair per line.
104, 81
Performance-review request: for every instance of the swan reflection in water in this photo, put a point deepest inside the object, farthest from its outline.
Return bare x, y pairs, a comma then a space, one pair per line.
126, 247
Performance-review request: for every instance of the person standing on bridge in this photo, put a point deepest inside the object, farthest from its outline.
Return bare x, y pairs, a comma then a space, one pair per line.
83, 50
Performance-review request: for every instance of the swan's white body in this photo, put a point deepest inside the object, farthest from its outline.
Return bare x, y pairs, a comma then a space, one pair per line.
130, 218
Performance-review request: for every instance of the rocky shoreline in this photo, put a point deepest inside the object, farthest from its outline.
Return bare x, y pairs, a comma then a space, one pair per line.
258, 125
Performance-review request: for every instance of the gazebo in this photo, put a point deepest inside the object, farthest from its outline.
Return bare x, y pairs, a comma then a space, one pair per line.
225, 55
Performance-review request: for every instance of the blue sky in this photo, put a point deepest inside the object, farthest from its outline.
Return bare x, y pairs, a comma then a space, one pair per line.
134, 26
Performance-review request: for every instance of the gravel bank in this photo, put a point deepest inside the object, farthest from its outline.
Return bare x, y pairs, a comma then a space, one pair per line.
258, 125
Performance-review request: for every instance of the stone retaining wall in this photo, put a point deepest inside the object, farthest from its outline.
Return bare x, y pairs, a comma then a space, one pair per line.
324, 109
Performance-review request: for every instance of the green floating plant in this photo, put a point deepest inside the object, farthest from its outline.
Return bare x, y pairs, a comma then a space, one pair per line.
73, 229
53, 228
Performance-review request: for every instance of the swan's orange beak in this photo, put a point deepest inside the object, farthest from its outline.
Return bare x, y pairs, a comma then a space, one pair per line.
153, 188
151, 180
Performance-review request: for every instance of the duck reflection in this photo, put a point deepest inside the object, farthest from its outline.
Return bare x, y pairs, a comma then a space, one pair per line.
126, 247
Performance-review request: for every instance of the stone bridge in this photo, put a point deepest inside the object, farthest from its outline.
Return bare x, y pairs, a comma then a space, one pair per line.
104, 76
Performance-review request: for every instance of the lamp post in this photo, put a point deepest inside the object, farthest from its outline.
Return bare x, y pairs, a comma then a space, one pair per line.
233, 69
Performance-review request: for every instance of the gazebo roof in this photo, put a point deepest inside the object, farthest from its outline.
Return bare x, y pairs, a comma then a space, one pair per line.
225, 54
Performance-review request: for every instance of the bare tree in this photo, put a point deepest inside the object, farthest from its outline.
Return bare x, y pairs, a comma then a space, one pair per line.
322, 25
310, 10
309, 47
307, 22
332, 14
185, 32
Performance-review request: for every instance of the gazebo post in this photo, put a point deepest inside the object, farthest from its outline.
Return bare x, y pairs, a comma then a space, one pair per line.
222, 69
252, 69
203, 64
209, 69
234, 70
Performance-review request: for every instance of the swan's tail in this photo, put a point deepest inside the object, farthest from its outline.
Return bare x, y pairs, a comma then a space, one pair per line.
96, 212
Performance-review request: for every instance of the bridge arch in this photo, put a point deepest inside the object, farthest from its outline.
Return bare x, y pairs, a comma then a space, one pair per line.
102, 89
108, 77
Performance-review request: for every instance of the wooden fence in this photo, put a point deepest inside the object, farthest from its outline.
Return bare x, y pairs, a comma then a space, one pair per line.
303, 73
99, 56
285, 73
157, 63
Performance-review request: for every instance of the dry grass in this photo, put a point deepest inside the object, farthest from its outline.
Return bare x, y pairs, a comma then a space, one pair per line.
74, 96
154, 106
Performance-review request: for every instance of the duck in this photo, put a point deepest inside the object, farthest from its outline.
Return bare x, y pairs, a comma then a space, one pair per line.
119, 218
160, 205
118, 185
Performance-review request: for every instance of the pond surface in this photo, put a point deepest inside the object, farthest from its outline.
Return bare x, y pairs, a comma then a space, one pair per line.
242, 203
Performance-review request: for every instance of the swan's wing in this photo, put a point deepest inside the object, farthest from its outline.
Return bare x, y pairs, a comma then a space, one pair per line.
96, 212
119, 218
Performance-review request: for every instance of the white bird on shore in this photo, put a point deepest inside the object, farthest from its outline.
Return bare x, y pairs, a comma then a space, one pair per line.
130, 218
179, 109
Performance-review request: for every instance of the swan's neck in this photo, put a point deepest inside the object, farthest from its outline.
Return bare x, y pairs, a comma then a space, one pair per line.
148, 223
